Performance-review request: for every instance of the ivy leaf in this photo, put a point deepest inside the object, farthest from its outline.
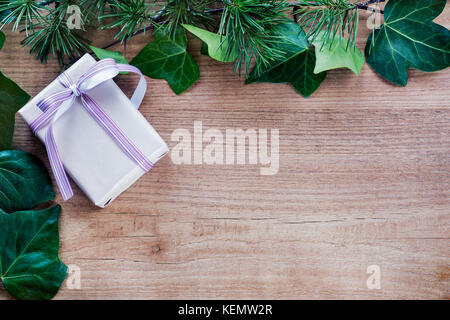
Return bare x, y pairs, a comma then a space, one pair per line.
166, 58
409, 39
337, 54
216, 44
2, 40
103, 54
29, 246
29, 240
297, 65
24, 181
12, 98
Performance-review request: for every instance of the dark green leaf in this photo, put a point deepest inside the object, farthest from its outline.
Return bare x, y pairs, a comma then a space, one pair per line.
2, 40
12, 98
166, 58
29, 246
409, 39
24, 181
297, 65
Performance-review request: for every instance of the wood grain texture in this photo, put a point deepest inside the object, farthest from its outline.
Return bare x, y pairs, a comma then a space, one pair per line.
363, 180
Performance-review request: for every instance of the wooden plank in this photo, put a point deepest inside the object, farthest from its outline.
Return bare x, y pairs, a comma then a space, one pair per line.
363, 180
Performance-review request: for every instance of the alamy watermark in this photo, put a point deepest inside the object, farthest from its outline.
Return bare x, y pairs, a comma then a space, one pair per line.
212, 146
74, 20
73, 281
374, 280
375, 19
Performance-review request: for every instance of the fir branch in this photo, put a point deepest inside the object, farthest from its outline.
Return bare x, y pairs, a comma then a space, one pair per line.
333, 16
21, 11
338, 18
178, 12
95, 8
156, 22
52, 38
247, 25
46, 3
129, 16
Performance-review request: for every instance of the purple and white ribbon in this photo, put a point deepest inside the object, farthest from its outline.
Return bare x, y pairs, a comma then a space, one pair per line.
56, 104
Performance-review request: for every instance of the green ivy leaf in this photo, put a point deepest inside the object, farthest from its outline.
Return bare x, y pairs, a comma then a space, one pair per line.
103, 54
409, 39
29, 240
166, 58
29, 246
2, 40
297, 65
24, 181
216, 44
12, 98
337, 54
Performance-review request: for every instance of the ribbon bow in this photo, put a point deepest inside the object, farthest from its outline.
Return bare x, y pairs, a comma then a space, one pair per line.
56, 104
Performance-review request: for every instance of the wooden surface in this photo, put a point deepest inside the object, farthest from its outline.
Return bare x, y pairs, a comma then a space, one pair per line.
363, 180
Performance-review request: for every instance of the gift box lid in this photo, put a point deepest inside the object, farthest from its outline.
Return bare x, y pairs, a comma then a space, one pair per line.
90, 156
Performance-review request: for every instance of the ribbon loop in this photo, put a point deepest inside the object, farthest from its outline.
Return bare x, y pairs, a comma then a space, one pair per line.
75, 90
56, 104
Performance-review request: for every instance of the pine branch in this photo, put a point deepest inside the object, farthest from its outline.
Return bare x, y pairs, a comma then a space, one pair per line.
20, 12
156, 21
336, 18
52, 38
129, 16
178, 12
247, 25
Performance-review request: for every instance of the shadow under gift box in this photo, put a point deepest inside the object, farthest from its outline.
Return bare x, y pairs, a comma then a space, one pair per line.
90, 156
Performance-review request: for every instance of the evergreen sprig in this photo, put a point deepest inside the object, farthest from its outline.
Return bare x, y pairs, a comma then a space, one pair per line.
93, 9
336, 17
257, 33
178, 12
51, 37
248, 24
19, 12
129, 16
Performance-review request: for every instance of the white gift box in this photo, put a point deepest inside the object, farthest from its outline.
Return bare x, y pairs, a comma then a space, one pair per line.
90, 156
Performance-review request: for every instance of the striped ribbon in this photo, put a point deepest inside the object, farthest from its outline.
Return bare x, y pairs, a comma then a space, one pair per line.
56, 104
